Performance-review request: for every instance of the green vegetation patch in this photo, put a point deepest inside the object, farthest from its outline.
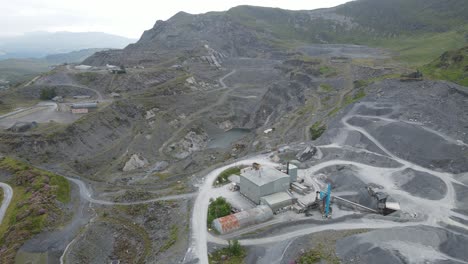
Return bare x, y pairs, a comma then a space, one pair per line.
48, 94
356, 97
451, 66
218, 208
318, 255
172, 238
328, 71
361, 83
20, 70
34, 206
224, 175
317, 129
326, 87
234, 253
417, 50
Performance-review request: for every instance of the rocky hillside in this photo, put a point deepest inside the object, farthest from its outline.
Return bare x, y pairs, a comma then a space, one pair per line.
250, 31
406, 17
452, 66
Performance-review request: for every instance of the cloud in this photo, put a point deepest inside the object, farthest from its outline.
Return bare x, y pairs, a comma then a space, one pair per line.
127, 18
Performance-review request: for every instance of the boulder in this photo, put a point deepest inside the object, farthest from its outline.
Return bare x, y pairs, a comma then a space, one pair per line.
136, 161
307, 153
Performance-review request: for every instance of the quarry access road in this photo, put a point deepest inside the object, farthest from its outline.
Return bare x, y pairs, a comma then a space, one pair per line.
85, 193
435, 213
198, 248
98, 94
7, 196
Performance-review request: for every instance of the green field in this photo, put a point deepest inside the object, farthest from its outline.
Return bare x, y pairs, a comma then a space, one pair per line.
419, 50
20, 70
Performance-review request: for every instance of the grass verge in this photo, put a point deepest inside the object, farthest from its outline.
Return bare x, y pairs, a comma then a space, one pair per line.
222, 178
234, 253
34, 206
317, 129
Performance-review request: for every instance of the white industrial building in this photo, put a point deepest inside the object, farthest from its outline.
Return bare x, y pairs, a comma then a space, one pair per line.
258, 181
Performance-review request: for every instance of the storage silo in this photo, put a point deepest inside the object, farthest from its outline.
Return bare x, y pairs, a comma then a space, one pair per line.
242, 219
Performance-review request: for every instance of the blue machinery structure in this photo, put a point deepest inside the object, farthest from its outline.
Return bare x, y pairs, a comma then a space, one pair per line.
326, 198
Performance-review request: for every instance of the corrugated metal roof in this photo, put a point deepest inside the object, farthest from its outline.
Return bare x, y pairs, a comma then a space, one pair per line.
242, 219
263, 176
229, 223
277, 198
84, 105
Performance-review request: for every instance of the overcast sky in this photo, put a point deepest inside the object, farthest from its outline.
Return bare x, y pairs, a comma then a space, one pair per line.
122, 17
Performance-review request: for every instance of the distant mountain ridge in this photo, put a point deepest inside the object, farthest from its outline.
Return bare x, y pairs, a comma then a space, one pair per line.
41, 44
261, 32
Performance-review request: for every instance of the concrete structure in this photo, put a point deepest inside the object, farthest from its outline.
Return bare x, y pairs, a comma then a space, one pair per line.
83, 67
242, 219
58, 99
258, 181
277, 201
84, 106
80, 111
115, 95
299, 188
292, 172
81, 97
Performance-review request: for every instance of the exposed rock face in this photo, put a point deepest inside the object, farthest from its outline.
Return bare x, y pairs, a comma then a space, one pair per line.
307, 154
135, 162
151, 113
160, 166
193, 141
226, 125
210, 37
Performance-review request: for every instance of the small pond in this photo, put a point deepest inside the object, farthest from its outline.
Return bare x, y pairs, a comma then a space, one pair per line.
225, 139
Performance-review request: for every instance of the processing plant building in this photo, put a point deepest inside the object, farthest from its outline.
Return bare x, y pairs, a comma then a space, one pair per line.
259, 181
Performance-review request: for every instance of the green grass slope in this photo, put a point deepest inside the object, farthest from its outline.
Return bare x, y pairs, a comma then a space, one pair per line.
418, 31
36, 206
407, 16
451, 66
19, 70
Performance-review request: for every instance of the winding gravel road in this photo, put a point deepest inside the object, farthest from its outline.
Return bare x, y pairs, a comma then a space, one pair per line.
85, 193
7, 196
435, 213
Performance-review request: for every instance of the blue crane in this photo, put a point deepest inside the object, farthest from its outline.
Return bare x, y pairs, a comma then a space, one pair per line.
325, 196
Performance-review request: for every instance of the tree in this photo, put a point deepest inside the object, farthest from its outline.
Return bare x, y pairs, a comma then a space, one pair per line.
234, 248
218, 208
48, 93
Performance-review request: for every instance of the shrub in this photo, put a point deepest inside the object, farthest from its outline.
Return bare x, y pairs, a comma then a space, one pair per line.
48, 93
317, 129
223, 176
234, 248
218, 208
